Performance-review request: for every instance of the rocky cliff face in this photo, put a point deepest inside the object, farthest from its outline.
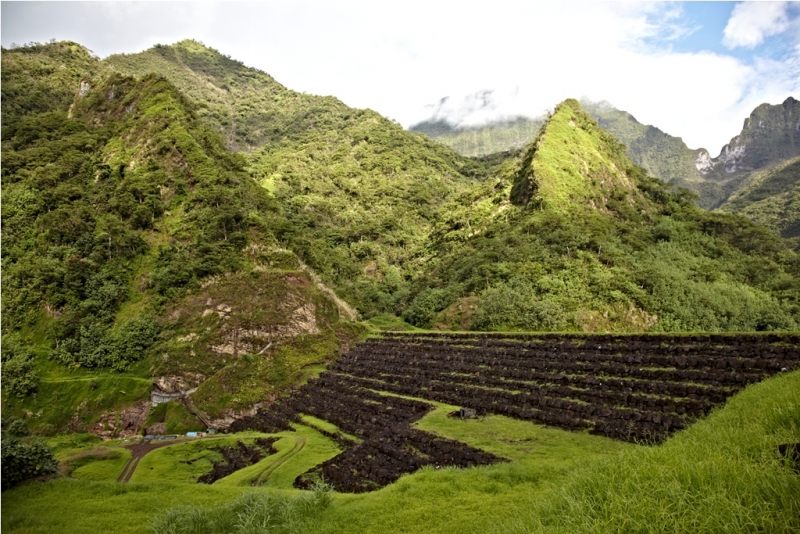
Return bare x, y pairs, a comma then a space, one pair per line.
770, 134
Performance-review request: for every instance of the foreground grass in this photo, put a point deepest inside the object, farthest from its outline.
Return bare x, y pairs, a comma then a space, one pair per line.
724, 474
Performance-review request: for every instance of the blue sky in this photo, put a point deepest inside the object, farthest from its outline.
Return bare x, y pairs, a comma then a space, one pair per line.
694, 69
704, 24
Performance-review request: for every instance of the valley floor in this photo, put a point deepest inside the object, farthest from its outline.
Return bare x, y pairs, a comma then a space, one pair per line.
722, 474
444, 500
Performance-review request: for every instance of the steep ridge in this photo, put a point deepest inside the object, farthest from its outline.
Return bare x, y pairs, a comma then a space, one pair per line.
245, 106
664, 156
575, 236
768, 138
359, 192
770, 134
38, 79
135, 241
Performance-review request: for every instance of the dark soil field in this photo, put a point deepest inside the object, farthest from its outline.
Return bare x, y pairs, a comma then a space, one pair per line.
636, 388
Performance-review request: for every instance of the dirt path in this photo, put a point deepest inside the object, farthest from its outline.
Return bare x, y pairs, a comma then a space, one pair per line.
138, 451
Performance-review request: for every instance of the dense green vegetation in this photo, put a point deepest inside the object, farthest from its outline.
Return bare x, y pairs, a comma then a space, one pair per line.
574, 236
23, 457
359, 194
245, 106
122, 209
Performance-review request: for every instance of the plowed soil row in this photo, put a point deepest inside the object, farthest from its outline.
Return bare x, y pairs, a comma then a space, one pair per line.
634, 388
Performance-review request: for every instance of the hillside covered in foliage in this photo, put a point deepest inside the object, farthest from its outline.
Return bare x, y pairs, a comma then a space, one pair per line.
360, 193
134, 241
174, 217
573, 235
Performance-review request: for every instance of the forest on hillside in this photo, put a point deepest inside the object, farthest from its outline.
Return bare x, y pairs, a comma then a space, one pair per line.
167, 212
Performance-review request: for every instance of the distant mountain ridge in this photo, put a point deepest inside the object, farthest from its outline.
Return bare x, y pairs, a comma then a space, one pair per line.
476, 141
769, 137
771, 198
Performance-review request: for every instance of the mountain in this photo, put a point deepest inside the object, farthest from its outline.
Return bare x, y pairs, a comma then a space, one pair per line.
136, 248
245, 106
662, 155
476, 141
771, 134
361, 193
574, 236
148, 242
768, 138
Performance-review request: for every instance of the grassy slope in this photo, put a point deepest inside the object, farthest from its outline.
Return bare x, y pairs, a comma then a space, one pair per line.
359, 193
722, 474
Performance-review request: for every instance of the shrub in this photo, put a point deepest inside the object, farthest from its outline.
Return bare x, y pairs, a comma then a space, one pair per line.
253, 512
425, 305
25, 460
516, 305
19, 376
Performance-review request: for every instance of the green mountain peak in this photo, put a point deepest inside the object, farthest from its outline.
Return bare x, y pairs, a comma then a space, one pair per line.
573, 164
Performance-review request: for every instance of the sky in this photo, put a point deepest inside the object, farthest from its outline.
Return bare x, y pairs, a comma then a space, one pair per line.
694, 69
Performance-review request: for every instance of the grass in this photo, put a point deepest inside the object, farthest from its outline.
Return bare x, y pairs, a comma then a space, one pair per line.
723, 474
185, 462
77, 402
100, 464
298, 452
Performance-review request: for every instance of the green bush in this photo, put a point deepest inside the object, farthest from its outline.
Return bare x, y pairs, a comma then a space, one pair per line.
100, 346
423, 308
515, 305
25, 460
15, 427
19, 377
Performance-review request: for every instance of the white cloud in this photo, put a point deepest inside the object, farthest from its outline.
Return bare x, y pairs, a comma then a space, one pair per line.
752, 22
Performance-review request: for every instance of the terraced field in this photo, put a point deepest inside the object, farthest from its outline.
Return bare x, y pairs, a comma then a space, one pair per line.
638, 388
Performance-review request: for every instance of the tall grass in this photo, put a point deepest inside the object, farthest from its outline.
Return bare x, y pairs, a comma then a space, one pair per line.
723, 474
257, 512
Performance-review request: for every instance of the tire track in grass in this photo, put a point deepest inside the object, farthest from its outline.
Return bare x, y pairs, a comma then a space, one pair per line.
139, 451
300, 443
